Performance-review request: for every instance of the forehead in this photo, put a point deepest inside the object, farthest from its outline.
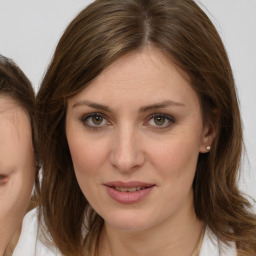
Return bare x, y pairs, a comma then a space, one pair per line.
143, 76
148, 63
11, 112
6, 102
8, 105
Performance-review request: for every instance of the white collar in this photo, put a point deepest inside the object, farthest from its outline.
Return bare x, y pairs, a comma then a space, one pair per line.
211, 245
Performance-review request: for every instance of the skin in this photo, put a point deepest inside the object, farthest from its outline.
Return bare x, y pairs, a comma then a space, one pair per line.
129, 145
17, 167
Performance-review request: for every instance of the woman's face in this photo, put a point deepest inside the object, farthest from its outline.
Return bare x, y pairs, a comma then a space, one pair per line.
17, 165
134, 135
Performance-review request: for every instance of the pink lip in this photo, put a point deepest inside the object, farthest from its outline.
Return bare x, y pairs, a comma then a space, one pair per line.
128, 197
130, 184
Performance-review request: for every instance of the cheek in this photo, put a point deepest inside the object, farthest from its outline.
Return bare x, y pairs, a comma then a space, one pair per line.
14, 195
175, 155
88, 155
20, 168
16, 146
175, 158
175, 163
88, 158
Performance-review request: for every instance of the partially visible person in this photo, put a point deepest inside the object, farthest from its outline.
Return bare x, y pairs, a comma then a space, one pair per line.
17, 151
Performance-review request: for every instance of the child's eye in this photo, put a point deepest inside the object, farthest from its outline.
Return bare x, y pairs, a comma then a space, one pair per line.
3, 179
94, 120
160, 120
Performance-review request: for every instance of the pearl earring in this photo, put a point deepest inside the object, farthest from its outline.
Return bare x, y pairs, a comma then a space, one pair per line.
208, 148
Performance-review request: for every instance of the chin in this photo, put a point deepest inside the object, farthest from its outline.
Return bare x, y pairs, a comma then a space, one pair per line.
129, 222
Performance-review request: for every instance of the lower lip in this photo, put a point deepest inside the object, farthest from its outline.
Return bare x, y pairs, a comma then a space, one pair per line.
128, 197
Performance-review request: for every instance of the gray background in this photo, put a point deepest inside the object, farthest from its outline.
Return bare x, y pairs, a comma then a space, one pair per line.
30, 30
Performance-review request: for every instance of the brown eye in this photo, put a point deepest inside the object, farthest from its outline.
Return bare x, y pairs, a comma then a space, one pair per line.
94, 120
159, 121
97, 120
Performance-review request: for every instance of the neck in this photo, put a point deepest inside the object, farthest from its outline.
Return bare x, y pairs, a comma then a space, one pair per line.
3, 243
178, 235
4, 240
9, 236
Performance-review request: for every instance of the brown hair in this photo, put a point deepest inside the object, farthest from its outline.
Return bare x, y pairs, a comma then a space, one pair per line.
15, 84
103, 32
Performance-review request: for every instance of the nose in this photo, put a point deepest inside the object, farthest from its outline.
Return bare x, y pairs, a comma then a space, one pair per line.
127, 154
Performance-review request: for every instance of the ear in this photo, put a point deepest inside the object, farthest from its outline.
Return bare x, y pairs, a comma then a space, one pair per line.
209, 133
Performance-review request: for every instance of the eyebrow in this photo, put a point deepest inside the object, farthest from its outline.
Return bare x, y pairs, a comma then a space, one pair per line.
164, 104
92, 105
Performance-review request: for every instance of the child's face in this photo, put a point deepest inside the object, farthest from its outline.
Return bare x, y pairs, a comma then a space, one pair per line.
17, 165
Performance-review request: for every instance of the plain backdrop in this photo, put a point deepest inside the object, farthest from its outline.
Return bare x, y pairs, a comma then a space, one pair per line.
30, 30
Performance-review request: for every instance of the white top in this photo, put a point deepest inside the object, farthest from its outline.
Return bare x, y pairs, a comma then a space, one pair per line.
30, 245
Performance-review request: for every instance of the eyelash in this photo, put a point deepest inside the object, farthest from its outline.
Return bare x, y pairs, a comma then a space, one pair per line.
85, 119
2, 180
168, 118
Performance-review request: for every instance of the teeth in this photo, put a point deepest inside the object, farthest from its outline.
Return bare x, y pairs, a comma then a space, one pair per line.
129, 189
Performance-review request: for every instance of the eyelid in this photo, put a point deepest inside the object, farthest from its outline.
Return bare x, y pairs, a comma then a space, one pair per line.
91, 114
170, 118
85, 117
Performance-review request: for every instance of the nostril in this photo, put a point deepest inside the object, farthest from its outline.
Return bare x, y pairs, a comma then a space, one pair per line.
126, 160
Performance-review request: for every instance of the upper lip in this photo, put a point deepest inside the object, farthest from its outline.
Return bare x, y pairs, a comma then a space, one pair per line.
130, 184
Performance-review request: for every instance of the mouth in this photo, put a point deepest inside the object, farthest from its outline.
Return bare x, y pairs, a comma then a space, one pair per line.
132, 189
131, 186
128, 192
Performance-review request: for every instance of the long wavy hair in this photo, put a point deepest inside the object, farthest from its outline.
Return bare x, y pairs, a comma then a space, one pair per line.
15, 84
103, 32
